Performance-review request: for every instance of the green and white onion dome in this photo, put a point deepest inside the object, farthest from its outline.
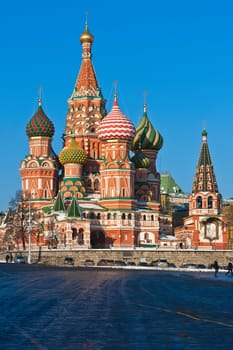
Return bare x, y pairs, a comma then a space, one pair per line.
141, 160
146, 136
73, 154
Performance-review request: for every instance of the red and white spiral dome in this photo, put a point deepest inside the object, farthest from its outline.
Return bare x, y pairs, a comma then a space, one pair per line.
116, 126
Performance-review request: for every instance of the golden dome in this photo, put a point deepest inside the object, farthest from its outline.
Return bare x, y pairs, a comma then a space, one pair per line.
86, 36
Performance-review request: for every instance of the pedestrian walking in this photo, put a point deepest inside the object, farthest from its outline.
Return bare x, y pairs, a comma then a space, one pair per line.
229, 268
7, 258
216, 268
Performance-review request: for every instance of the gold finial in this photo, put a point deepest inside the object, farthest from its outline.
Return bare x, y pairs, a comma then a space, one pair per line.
115, 90
86, 36
144, 107
40, 96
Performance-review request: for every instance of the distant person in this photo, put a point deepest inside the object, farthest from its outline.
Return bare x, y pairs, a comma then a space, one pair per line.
7, 258
216, 268
229, 268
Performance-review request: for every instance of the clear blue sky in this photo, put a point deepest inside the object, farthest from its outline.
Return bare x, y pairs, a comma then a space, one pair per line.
180, 52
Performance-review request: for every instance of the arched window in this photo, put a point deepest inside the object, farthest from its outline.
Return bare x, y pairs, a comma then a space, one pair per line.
129, 217
80, 236
210, 202
123, 216
199, 202
152, 217
84, 215
115, 216
98, 216
74, 233
89, 185
109, 216
96, 185
144, 217
92, 215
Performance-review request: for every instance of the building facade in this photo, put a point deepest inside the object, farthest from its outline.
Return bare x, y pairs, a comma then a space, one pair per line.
103, 189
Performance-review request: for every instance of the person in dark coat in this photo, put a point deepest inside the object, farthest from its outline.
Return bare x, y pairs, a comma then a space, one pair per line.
229, 268
216, 268
7, 258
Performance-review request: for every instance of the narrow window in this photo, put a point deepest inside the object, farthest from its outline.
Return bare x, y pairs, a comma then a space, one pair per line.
199, 202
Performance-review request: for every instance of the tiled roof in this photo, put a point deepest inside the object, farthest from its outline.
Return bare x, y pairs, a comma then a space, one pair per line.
204, 179
86, 82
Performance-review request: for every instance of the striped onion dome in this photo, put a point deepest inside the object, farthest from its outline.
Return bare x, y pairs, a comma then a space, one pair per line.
72, 154
116, 125
146, 136
40, 124
141, 160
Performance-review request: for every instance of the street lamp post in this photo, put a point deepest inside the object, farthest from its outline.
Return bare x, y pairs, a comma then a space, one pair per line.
30, 230
29, 235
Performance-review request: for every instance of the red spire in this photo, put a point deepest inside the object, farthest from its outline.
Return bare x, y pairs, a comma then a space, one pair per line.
86, 83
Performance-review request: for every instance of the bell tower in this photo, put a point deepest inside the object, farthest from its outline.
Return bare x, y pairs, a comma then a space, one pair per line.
205, 226
205, 197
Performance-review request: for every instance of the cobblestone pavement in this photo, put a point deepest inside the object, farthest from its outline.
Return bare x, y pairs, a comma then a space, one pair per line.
49, 308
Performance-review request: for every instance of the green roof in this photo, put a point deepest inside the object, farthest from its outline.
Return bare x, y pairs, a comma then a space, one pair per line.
74, 210
59, 204
169, 185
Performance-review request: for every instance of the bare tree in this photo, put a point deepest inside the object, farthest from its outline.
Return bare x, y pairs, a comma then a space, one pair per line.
19, 220
14, 202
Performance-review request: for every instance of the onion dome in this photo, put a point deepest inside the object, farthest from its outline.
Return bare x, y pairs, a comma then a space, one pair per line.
40, 124
141, 160
73, 154
204, 133
116, 125
86, 36
146, 136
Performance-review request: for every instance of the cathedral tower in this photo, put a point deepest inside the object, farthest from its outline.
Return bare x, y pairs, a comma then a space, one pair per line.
39, 169
146, 145
86, 109
116, 132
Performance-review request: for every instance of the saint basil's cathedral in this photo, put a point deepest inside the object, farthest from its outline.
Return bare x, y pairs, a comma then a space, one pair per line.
103, 189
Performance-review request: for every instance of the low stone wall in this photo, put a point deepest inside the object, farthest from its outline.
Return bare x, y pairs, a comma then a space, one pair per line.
178, 257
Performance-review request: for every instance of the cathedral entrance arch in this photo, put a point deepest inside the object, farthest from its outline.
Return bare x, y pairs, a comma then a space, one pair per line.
97, 239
